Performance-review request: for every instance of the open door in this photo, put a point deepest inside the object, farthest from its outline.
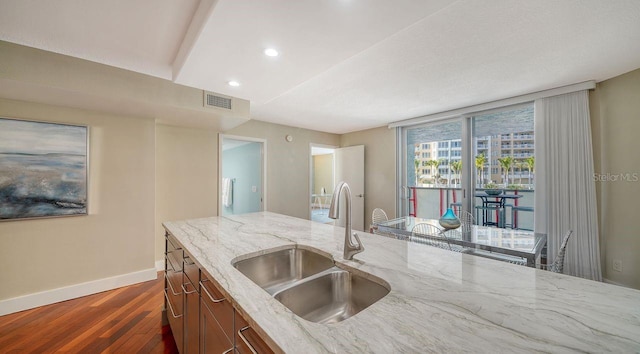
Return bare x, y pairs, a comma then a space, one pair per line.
321, 182
349, 167
242, 175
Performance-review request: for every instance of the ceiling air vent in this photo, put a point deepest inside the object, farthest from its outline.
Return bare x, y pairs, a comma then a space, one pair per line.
212, 100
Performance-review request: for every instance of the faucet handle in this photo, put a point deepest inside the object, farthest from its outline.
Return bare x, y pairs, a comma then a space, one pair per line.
359, 247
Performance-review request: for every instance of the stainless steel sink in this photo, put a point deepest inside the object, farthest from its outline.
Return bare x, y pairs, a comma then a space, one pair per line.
277, 270
332, 296
311, 285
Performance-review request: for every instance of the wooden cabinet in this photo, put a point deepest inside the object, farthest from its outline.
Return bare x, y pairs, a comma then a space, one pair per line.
173, 293
216, 318
202, 319
247, 340
191, 305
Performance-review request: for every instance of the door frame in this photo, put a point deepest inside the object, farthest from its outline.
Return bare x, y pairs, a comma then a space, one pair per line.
333, 172
221, 138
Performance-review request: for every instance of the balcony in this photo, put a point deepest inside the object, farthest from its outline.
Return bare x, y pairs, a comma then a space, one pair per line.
522, 137
432, 202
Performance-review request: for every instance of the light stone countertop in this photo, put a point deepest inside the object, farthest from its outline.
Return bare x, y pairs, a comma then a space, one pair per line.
440, 301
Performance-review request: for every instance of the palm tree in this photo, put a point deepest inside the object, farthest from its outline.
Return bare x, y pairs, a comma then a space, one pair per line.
417, 163
456, 167
506, 163
520, 165
434, 165
481, 160
530, 163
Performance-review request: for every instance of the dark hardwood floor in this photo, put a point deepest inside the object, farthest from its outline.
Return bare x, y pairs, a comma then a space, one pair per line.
124, 320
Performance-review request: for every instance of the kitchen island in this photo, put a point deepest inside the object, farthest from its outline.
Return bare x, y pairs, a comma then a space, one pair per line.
440, 301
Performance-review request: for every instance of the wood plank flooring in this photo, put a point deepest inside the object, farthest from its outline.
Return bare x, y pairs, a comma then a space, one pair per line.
124, 320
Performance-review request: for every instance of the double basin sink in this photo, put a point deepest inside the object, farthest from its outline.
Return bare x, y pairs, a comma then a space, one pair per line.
311, 285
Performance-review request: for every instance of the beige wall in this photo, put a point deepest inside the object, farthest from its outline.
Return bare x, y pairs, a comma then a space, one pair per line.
36, 75
380, 168
615, 117
117, 237
186, 177
323, 173
288, 164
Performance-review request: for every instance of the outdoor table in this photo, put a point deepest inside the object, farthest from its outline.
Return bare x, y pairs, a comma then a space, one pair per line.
497, 204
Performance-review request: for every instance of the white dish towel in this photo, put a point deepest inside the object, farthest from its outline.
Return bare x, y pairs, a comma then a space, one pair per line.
227, 192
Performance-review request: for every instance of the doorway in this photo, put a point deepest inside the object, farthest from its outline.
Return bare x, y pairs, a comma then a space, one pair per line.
242, 167
322, 182
329, 166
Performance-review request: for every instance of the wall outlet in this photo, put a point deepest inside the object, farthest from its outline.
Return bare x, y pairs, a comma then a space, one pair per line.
617, 265
254, 189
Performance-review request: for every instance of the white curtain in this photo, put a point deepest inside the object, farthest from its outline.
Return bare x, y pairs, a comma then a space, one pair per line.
564, 182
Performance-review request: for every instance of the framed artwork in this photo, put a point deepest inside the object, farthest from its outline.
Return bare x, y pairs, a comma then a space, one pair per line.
43, 169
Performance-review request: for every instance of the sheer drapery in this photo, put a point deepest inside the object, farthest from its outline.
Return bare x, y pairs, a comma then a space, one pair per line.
565, 188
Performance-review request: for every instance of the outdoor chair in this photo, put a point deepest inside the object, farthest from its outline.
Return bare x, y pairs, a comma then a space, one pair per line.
514, 214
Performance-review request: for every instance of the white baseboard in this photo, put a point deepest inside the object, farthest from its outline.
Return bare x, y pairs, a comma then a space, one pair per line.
30, 301
160, 265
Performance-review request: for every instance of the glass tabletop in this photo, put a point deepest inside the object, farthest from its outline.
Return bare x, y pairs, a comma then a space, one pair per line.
517, 242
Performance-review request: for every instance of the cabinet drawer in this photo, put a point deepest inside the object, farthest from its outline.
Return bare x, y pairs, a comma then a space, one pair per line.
191, 317
172, 243
220, 307
212, 336
173, 254
191, 270
175, 317
174, 306
247, 340
173, 284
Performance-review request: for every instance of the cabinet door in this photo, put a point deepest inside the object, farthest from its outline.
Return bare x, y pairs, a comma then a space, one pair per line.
247, 341
220, 307
173, 289
212, 336
191, 317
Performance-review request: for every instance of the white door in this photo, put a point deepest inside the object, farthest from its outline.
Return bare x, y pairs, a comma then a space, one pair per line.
349, 167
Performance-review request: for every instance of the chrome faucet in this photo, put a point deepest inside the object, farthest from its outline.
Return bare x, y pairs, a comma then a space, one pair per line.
350, 249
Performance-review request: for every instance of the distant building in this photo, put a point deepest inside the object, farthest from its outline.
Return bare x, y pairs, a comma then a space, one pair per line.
518, 145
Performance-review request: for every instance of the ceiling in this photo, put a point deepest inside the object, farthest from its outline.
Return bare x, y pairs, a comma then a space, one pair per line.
344, 65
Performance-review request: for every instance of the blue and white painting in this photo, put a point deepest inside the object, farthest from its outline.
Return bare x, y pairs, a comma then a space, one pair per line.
43, 169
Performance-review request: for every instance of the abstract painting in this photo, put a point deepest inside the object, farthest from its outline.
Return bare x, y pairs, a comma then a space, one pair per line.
43, 169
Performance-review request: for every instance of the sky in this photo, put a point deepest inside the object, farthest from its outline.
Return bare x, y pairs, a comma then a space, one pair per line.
18, 136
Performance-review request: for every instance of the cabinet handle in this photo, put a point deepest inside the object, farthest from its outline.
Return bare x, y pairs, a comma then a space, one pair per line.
166, 236
170, 307
245, 339
209, 294
185, 290
171, 286
170, 263
190, 262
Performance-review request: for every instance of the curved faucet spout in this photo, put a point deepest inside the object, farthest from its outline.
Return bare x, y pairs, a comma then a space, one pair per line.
350, 248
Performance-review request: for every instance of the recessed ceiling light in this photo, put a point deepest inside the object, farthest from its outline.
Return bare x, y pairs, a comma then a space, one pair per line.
234, 83
270, 52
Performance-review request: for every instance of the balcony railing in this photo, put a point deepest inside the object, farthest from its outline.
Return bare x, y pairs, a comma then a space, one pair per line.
432, 202
520, 155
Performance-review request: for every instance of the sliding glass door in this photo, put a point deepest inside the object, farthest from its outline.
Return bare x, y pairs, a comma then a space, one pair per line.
433, 168
451, 164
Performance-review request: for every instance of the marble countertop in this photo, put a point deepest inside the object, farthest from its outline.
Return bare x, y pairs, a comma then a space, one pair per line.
440, 301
